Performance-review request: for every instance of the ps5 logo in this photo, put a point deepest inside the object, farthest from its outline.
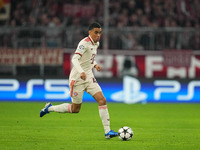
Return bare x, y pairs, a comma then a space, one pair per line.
159, 90
54, 88
173, 86
131, 92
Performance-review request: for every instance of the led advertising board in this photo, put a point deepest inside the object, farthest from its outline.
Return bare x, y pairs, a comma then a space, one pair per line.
127, 90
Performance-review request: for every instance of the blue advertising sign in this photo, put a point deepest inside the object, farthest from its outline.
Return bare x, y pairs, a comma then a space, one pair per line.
129, 90
135, 90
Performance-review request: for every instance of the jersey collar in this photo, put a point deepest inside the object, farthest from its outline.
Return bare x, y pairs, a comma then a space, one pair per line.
91, 39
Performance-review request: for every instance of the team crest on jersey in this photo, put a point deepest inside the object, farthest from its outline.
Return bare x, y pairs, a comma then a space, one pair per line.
81, 47
75, 93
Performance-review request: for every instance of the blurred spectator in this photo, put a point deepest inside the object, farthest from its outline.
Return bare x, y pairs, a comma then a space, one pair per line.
74, 33
128, 41
54, 37
44, 20
123, 13
185, 38
194, 42
195, 7
173, 38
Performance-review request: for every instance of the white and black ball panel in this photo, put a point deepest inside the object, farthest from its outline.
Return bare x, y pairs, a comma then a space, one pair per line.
125, 133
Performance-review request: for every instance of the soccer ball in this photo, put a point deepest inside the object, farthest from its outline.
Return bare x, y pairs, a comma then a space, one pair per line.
125, 133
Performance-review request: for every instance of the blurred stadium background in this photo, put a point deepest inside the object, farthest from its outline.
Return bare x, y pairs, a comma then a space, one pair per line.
150, 50
150, 53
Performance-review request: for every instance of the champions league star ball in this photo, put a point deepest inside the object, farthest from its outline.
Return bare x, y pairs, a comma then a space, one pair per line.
125, 133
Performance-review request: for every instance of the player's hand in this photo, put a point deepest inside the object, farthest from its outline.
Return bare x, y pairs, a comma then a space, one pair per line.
83, 76
98, 68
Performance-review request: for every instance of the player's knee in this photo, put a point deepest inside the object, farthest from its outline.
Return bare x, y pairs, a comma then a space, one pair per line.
76, 109
102, 101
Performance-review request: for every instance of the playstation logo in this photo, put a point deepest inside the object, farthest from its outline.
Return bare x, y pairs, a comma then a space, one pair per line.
131, 92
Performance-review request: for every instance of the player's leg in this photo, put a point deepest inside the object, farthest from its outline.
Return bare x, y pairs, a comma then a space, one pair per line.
65, 108
44, 111
77, 96
76, 93
62, 108
95, 90
104, 115
76, 108
103, 110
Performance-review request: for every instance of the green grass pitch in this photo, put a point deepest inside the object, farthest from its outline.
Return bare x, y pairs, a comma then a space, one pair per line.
155, 127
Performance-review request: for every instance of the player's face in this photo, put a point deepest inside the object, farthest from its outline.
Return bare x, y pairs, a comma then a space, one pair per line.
95, 34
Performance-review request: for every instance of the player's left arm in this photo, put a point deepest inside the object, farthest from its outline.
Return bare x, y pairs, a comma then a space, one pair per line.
98, 68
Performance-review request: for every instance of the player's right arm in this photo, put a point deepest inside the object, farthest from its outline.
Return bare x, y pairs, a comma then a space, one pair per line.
75, 60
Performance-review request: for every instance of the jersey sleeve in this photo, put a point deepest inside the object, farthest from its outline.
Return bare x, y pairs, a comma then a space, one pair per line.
81, 48
76, 63
95, 63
